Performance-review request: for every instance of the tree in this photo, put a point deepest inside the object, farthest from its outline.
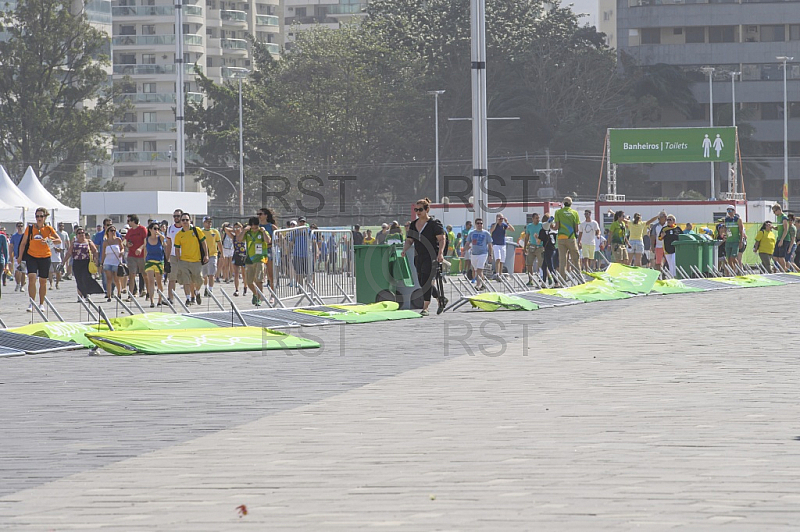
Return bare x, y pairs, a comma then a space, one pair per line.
56, 105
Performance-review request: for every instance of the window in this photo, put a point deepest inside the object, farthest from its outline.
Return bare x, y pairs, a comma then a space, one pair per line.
128, 117
127, 59
773, 33
794, 32
651, 36
126, 173
148, 2
300, 12
695, 35
677, 31
127, 30
722, 34
149, 145
148, 59
209, 62
148, 173
149, 88
149, 117
126, 146
771, 111
148, 29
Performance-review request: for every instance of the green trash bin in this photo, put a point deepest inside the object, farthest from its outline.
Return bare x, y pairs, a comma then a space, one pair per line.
378, 270
688, 253
455, 265
709, 253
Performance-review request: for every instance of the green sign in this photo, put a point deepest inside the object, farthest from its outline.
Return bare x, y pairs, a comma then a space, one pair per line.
672, 145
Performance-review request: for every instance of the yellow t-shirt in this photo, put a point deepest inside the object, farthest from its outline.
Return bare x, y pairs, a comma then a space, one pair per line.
369, 241
38, 248
637, 230
766, 242
212, 237
189, 244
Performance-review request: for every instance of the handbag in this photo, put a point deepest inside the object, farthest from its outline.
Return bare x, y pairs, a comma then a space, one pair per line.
122, 270
92, 263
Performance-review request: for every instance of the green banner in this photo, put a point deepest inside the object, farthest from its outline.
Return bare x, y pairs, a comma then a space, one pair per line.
158, 321
672, 145
673, 286
628, 278
64, 331
492, 301
748, 280
593, 291
213, 340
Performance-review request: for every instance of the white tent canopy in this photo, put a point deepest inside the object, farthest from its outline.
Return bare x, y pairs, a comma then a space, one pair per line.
33, 188
14, 203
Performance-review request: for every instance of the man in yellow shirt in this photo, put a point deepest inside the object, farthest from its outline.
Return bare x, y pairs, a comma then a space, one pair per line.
214, 243
191, 251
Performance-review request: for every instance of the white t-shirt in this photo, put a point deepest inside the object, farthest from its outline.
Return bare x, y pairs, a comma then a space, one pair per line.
588, 232
659, 243
171, 232
599, 241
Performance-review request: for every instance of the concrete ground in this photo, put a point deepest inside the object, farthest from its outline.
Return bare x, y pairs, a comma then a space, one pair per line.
652, 413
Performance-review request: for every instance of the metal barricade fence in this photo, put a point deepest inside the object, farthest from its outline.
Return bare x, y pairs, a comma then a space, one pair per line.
309, 267
334, 274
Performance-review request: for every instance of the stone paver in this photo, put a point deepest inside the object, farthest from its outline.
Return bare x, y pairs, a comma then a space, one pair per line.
652, 413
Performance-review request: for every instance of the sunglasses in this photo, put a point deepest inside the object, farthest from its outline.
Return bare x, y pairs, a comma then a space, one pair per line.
40, 216
670, 219
185, 220
419, 209
261, 213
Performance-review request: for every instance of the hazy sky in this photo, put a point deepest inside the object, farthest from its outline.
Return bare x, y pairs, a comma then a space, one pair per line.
584, 6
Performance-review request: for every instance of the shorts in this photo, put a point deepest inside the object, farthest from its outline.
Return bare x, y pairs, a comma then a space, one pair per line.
535, 254
478, 261
731, 248
300, 265
135, 265
21, 266
155, 266
780, 250
173, 268
110, 268
38, 266
56, 267
227, 253
619, 252
499, 252
254, 273
659, 256
587, 251
210, 268
637, 247
188, 272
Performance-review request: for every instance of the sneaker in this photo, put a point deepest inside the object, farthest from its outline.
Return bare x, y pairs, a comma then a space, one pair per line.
192, 299
244, 292
442, 306
43, 308
205, 292
30, 308
188, 302
254, 301
236, 293
424, 313
16, 288
197, 297
152, 305
258, 302
530, 283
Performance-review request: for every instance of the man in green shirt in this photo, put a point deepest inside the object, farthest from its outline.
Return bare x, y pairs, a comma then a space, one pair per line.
782, 239
567, 221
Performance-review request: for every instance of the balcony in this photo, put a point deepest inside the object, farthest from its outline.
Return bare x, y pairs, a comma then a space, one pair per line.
233, 44
194, 97
347, 9
143, 11
232, 15
233, 72
157, 97
188, 68
141, 156
310, 20
144, 127
273, 47
155, 40
148, 70
267, 20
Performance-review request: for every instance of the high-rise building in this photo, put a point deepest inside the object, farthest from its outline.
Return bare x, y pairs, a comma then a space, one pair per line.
300, 15
744, 36
143, 48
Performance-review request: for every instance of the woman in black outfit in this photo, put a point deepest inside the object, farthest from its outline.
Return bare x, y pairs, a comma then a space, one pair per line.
428, 237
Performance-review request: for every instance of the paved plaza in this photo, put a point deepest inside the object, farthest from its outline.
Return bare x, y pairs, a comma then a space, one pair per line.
653, 413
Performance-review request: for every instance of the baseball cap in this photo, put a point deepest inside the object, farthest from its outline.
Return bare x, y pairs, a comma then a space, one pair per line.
384, 226
292, 223
206, 218
301, 219
730, 208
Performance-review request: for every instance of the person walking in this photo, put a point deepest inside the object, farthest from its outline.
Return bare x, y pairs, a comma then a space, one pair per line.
226, 261
587, 235
619, 238
656, 242
56, 263
35, 248
533, 247
191, 252
498, 231
82, 251
134, 244
669, 235
637, 230
479, 249
17, 262
549, 237
268, 220
566, 223
381, 236
111, 258
765, 245
66, 260
796, 258
358, 236
427, 235
214, 243
782, 238
734, 237
171, 266
5, 255
255, 240
792, 246
154, 246
239, 258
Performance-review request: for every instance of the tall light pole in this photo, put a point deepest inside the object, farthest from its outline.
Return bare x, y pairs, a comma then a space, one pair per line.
180, 145
170, 167
222, 176
785, 134
241, 147
710, 72
480, 156
436, 95
733, 96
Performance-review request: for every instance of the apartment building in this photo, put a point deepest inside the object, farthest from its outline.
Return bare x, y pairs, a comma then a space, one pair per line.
143, 50
300, 15
743, 36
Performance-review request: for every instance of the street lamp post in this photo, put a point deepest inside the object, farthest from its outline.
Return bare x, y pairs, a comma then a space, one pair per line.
241, 149
785, 60
436, 95
170, 166
226, 180
733, 96
710, 72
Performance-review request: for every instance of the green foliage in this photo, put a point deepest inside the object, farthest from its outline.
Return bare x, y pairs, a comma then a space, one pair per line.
55, 101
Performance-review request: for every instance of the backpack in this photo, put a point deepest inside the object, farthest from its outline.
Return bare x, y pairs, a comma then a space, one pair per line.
200, 245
